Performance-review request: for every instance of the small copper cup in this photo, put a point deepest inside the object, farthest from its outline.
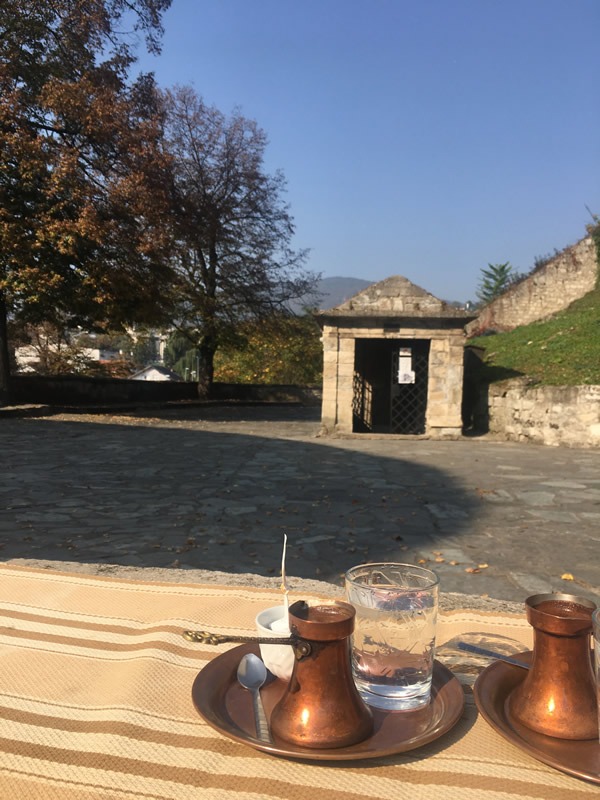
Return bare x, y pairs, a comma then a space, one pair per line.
558, 695
321, 707
596, 622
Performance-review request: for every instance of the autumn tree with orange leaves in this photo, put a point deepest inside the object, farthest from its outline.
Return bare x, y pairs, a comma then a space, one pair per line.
83, 173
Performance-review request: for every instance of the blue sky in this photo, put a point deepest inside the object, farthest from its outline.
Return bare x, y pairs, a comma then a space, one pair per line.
423, 138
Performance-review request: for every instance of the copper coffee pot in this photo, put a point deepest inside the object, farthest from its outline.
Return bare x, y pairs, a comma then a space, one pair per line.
558, 695
321, 707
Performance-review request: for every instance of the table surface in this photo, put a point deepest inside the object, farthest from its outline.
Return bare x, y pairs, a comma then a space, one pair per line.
96, 703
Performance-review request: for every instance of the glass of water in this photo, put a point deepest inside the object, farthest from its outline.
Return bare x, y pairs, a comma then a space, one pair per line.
393, 645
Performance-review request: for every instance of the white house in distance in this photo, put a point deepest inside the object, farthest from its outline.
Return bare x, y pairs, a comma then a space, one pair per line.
154, 372
28, 356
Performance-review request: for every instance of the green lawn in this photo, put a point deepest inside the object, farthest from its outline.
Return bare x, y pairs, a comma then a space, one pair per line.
561, 351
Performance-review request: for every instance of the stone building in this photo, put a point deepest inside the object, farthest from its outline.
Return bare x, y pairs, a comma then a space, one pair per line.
393, 362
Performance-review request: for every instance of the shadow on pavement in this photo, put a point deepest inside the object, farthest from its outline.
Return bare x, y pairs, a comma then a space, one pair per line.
168, 492
196, 411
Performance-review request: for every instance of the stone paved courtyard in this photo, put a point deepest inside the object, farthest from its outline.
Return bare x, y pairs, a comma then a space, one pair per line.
215, 488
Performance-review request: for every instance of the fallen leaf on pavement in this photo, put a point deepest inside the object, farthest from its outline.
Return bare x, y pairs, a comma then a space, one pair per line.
566, 576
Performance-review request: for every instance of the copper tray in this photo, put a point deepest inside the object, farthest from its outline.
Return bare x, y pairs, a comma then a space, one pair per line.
226, 706
491, 690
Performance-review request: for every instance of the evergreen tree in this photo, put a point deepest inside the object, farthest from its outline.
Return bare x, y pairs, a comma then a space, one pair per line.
494, 281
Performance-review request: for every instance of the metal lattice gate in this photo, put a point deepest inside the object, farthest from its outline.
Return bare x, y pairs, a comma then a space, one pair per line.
362, 404
409, 400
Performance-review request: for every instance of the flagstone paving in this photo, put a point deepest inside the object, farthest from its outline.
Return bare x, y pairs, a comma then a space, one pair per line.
215, 488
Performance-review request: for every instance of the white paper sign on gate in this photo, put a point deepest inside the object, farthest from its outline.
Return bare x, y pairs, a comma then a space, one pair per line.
405, 371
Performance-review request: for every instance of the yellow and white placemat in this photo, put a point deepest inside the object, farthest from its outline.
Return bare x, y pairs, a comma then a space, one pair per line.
95, 704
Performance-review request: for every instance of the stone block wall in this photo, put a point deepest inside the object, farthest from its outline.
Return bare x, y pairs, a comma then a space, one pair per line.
444, 400
78, 390
549, 415
445, 376
568, 276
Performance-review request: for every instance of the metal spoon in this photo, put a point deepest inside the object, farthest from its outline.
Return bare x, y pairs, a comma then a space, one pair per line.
251, 674
482, 651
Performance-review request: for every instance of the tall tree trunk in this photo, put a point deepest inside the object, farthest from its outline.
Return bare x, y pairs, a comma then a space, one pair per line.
206, 359
5, 394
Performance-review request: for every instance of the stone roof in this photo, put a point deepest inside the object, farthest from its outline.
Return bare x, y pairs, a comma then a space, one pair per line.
395, 297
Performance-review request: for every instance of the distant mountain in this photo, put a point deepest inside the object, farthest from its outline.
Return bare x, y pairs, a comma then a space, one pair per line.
334, 291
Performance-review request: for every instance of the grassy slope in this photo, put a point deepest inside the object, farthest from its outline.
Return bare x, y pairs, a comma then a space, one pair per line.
561, 351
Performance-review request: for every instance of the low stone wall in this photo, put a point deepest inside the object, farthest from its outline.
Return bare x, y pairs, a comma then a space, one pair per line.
568, 276
266, 393
72, 390
78, 390
550, 415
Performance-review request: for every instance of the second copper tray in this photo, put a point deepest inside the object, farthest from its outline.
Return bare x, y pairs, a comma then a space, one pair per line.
222, 702
491, 690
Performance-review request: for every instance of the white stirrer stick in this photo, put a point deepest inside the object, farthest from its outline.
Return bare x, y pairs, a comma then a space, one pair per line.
284, 586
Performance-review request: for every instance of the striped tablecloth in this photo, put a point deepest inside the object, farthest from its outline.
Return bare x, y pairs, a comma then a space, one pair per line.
95, 704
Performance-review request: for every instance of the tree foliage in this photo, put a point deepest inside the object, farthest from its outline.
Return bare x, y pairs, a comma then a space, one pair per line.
285, 350
120, 204
494, 281
593, 230
52, 351
282, 349
233, 259
82, 170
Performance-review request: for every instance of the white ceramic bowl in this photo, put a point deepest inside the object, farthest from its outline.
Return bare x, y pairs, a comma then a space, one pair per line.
278, 658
